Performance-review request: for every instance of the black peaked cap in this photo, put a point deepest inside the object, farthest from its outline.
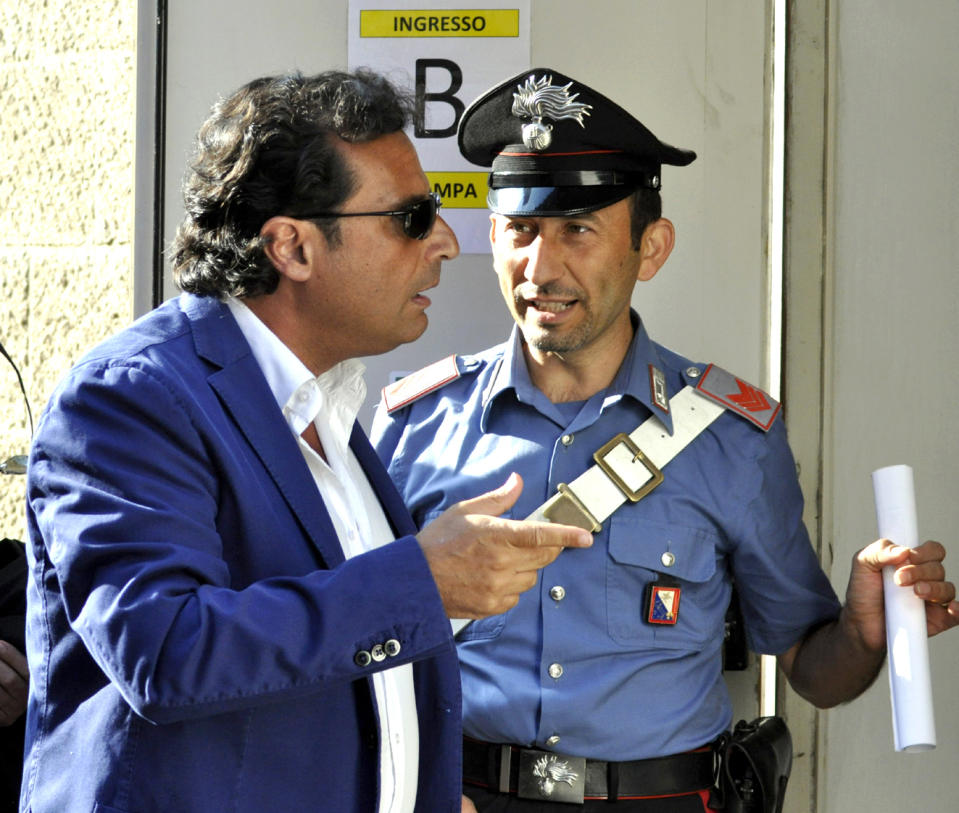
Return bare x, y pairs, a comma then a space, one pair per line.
557, 147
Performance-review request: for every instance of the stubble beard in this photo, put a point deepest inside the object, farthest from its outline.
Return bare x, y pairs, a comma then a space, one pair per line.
547, 338
554, 340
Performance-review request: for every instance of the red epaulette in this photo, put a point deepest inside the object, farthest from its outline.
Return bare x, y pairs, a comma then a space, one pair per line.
738, 396
415, 385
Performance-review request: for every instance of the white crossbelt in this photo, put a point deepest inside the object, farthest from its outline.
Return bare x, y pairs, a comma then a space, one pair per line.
627, 468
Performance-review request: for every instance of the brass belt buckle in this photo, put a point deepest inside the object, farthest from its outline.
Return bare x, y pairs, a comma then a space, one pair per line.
566, 508
552, 777
634, 495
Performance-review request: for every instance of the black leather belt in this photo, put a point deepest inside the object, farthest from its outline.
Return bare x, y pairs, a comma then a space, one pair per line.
538, 774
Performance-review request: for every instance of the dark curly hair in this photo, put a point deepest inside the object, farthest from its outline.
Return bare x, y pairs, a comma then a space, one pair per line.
268, 150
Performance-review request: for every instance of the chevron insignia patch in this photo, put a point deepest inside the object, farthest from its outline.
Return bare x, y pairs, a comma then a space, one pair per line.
416, 385
739, 396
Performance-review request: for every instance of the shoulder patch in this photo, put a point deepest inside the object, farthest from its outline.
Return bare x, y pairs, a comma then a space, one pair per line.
736, 395
422, 382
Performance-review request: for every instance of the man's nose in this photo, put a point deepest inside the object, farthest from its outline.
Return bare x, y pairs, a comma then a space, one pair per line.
543, 263
444, 240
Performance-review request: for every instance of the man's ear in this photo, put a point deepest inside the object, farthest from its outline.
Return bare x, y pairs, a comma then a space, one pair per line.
655, 248
285, 238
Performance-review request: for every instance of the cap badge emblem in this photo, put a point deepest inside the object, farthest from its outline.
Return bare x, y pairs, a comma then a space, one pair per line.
539, 99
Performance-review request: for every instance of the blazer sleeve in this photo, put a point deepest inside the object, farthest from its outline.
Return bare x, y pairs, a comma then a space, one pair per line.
164, 543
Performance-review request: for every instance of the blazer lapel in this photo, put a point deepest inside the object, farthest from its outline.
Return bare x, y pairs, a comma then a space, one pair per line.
246, 396
390, 499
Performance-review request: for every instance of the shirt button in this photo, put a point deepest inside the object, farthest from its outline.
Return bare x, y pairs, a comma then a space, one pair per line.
377, 653
567, 440
557, 593
362, 658
392, 647
554, 740
668, 559
556, 671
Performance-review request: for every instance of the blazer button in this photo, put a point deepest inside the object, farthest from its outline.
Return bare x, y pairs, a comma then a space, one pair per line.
362, 658
392, 647
378, 653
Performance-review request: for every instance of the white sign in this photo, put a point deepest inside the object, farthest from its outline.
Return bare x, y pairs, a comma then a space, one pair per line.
447, 53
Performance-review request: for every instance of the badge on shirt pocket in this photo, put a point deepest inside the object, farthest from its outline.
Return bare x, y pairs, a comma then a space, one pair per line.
661, 601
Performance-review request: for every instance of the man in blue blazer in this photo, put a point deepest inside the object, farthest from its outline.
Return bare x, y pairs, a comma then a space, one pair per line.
228, 607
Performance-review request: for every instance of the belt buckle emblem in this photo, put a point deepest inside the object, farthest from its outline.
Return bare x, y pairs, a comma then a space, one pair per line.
556, 777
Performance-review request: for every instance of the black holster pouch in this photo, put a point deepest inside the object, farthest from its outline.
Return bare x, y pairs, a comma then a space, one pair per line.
756, 761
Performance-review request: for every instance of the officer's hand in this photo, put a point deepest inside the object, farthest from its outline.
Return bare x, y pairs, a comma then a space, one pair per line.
920, 567
481, 562
468, 806
14, 682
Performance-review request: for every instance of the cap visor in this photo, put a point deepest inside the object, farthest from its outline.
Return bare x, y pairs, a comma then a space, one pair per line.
555, 201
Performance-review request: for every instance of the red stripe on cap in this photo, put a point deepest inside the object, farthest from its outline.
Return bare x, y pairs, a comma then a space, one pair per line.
561, 154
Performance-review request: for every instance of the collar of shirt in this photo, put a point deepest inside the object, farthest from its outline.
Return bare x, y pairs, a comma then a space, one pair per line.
633, 378
337, 394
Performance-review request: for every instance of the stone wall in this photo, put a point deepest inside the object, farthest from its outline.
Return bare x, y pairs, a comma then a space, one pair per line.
67, 113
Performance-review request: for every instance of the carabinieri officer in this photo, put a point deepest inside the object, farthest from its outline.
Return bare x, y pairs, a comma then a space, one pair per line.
605, 682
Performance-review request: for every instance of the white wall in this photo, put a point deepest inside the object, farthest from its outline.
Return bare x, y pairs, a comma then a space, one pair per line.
894, 342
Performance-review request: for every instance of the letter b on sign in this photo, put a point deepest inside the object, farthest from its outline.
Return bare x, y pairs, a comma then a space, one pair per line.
447, 96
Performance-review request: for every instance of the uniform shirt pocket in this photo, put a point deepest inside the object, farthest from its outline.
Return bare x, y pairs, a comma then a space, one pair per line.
483, 629
639, 552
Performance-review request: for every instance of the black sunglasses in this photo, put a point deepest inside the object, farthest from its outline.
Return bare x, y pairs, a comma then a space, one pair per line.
417, 218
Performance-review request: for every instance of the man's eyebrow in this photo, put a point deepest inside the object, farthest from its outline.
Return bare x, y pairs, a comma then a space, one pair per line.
414, 198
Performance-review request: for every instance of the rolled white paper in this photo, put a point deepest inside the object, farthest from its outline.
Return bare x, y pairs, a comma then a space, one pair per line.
909, 684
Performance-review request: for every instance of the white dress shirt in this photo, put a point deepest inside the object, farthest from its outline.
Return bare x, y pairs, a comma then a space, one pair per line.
331, 402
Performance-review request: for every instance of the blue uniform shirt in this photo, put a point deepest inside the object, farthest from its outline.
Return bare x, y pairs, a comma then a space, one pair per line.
575, 659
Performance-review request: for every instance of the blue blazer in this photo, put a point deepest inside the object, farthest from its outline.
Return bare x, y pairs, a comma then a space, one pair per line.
192, 625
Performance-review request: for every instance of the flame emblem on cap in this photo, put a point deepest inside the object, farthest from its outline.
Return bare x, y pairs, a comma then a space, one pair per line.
539, 99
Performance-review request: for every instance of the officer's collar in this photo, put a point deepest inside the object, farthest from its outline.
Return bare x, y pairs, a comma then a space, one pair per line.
640, 376
511, 374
